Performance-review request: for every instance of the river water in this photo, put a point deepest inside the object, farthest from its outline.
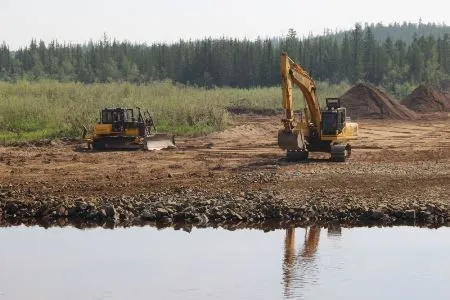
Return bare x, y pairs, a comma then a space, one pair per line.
146, 263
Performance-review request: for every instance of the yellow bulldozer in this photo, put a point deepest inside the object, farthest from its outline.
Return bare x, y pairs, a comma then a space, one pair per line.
124, 129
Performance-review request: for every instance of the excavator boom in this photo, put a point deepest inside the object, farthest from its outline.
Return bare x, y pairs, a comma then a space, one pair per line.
293, 73
287, 99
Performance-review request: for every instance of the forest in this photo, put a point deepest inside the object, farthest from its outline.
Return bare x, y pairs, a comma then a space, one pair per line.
373, 53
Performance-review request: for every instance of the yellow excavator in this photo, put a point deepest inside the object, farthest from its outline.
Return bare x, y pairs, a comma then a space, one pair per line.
318, 130
123, 129
297, 266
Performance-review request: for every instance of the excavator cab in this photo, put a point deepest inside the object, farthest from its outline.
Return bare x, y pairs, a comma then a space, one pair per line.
333, 117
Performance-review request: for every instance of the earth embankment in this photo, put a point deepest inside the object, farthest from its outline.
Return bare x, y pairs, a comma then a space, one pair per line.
427, 99
366, 101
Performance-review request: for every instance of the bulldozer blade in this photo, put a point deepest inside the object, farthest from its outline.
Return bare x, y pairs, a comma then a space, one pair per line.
159, 141
291, 141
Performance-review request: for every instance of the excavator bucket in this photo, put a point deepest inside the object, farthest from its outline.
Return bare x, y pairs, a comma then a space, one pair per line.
291, 141
159, 141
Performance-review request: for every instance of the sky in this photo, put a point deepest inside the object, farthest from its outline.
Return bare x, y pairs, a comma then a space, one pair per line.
170, 20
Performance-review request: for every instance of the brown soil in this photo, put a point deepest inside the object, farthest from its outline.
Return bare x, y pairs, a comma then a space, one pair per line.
367, 101
396, 168
426, 99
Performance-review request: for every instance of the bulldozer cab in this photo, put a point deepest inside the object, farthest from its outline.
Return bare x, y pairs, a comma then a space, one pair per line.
113, 115
124, 118
333, 117
119, 118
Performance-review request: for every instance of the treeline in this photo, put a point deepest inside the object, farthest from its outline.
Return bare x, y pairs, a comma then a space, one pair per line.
404, 32
235, 63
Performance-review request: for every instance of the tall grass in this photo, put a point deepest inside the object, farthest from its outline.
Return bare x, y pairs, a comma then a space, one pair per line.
34, 110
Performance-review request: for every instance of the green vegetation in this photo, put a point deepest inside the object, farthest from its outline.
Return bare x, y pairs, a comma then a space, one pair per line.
404, 32
49, 90
356, 55
35, 110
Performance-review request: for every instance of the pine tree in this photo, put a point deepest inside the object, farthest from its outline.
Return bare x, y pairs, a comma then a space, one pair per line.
369, 57
346, 58
356, 54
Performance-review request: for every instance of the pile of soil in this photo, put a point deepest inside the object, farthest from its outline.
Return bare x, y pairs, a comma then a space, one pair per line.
427, 99
365, 101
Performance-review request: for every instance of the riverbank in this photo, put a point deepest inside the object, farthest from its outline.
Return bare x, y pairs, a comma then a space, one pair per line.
398, 174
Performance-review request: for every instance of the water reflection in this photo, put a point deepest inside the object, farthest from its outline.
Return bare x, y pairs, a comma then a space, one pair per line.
301, 268
147, 263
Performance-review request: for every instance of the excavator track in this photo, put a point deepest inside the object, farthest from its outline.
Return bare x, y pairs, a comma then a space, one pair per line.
340, 152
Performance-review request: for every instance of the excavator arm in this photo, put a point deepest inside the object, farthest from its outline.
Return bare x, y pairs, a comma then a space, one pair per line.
297, 266
291, 73
294, 136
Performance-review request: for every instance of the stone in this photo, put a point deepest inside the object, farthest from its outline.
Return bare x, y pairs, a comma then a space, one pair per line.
62, 211
187, 228
238, 216
162, 211
410, 214
166, 220
92, 214
11, 208
81, 206
376, 215
204, 219
71, 211
110, 212
102, 213
148, 216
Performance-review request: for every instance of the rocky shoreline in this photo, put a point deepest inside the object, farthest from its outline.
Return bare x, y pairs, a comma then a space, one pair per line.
398, 174
259, 209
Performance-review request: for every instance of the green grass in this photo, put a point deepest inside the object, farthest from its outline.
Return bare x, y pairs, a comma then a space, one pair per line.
36, 110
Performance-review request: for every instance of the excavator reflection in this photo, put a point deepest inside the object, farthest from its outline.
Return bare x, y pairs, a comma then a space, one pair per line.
297, 266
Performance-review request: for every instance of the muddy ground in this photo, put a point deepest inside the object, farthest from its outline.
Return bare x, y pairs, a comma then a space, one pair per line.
399, 173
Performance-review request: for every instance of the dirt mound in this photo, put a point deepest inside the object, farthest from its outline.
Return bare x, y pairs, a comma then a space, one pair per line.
365, 101
425, 99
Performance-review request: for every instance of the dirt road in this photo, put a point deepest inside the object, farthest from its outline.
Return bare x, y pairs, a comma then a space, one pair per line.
399, 171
